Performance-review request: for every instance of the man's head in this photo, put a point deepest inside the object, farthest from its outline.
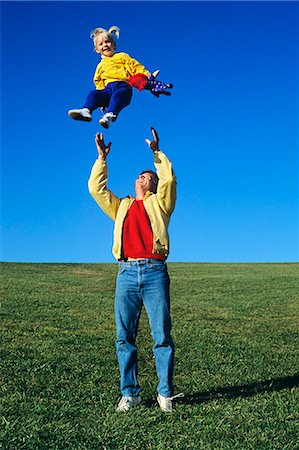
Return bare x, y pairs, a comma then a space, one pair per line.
147, 181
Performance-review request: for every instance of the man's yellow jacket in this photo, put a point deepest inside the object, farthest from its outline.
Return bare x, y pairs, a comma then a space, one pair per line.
159, 206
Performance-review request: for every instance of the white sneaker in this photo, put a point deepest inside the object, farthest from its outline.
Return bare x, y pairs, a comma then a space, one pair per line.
107, 119
127, 403
166, 403
80, 114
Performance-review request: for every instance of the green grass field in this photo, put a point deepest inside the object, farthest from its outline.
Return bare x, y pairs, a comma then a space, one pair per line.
236, 332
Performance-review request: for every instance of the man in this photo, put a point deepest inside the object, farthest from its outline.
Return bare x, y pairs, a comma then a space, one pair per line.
141, 245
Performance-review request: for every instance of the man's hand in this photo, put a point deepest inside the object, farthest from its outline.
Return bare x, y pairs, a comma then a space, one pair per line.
153, 145
103, 149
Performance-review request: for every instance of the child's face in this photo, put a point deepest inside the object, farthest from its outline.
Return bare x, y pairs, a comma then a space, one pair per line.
104, 45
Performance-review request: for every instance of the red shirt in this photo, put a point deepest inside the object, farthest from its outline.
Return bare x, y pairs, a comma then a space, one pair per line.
137, 237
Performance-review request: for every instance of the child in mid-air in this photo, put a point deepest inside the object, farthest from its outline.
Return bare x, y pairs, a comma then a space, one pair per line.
114, 77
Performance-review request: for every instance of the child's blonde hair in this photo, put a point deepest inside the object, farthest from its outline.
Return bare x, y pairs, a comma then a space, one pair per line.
110, 34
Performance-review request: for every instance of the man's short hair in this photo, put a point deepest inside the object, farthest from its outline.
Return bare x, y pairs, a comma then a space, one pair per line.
155, 179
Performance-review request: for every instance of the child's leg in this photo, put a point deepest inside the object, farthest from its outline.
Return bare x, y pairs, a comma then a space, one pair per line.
121, 95
97, 99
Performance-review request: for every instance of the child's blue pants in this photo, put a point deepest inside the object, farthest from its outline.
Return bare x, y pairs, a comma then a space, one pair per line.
116, 96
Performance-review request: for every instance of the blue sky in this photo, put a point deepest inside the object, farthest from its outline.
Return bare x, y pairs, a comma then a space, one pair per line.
230, 127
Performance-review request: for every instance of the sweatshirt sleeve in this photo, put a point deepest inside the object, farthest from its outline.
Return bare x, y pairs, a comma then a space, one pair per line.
97, 186
133, 66
166, 193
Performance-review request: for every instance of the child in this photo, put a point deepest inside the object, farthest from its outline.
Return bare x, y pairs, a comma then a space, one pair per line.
114, 77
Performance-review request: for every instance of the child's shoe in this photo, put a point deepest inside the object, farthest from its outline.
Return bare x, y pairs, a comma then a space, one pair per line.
80, 114
107, 119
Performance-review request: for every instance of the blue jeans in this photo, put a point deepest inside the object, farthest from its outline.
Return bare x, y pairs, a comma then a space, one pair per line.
143, 282
115, 97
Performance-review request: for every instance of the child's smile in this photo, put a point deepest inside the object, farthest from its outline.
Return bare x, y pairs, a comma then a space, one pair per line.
104, 46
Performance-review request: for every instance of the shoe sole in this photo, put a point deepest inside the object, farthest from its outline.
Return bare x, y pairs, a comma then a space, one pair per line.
104, 125
77, 116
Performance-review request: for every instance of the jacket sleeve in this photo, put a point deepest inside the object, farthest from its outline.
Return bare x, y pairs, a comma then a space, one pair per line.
97, 186
166, 193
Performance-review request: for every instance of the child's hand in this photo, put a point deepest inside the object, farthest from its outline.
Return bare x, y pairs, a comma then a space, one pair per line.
157, 87
103, 149
153, 145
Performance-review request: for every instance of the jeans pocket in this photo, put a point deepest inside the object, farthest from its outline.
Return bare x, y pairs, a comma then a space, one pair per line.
121, 269
159, 266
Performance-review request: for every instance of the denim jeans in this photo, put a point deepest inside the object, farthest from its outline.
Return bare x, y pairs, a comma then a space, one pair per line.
144, 282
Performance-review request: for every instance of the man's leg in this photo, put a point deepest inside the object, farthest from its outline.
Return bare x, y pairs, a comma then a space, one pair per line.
155, 293
128, 306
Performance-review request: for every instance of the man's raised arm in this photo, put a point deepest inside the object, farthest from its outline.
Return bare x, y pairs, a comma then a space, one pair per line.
97, 183
166, 193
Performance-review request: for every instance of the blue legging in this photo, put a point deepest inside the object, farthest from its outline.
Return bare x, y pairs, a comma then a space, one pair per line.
116, 96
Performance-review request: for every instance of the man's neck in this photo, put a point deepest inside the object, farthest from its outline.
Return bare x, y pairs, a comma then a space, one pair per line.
140, 195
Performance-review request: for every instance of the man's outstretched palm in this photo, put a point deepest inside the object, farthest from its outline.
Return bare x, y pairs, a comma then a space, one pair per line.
103, 149
153, 145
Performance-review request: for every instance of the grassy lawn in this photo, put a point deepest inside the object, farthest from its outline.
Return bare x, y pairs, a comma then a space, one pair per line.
236, 333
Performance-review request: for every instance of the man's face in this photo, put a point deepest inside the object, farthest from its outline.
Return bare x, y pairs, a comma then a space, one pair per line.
144, 182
